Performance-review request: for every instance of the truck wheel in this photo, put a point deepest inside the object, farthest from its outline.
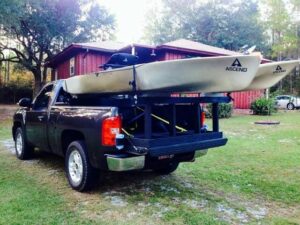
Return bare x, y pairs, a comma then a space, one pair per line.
290, 106
23, 149
81, 175
167, 169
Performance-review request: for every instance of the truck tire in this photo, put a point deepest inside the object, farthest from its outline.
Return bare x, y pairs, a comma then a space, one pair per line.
167, 169
23, 149
81, 175
290, 106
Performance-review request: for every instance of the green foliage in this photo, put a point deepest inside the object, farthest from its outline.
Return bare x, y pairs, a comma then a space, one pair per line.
263, 106
33, 31
278, 21
276, 93
282, 19
222, 23
224, 110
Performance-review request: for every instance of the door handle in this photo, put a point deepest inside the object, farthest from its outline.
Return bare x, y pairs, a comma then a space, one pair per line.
41, 118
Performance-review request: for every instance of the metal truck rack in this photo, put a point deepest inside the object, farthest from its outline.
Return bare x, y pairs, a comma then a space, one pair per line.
175, 142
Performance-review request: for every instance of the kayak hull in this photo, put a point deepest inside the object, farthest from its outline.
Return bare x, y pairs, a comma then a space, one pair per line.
270, 74
212, 74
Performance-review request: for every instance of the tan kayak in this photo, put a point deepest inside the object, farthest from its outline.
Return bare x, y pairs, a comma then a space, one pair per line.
271, 73
212, 74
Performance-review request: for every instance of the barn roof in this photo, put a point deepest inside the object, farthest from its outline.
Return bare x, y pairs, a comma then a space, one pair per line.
181, 45
197, 47
110, 46
103, 46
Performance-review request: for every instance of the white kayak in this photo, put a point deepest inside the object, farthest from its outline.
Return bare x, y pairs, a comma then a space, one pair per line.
212, 74
271, 73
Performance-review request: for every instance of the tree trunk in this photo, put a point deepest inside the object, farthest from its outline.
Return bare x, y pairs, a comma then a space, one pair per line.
280, 82
44, 75
38, 83
8, 71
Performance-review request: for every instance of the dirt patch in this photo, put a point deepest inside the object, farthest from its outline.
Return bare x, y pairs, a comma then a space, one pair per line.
9, 145
7, 111
229, 214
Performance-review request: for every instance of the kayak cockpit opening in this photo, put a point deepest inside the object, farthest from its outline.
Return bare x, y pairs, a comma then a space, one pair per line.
120, 60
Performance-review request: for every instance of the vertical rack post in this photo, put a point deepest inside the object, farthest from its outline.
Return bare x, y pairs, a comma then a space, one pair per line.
148, 121
133, 82
215, 117
172, 125
198, 117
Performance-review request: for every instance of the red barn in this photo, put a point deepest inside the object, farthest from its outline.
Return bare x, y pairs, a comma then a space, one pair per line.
83, 58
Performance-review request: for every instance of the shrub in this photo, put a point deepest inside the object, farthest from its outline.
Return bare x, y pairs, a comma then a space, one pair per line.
263, 106
224, 110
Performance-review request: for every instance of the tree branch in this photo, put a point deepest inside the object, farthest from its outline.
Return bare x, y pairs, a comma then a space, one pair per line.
14, 59
26, 41
16, 51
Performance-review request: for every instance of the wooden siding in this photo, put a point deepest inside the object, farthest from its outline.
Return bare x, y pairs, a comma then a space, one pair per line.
79, 64
84, 63
63, 70
170, 55
242, 100
90, 62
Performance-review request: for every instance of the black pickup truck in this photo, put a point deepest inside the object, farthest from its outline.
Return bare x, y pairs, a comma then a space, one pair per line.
95, 132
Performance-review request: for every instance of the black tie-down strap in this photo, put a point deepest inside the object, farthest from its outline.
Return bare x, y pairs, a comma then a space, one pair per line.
229, 96
133, 82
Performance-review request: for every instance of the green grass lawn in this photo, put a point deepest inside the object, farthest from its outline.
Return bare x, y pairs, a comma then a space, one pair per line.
254, 179
23, 199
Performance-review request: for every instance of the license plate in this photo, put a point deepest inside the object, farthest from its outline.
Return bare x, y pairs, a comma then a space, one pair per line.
165, 157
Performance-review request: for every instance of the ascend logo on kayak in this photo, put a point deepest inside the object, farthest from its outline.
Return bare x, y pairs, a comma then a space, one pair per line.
236, 66
279, 70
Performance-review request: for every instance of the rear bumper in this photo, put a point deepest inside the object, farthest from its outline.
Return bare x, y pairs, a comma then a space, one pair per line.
125, 162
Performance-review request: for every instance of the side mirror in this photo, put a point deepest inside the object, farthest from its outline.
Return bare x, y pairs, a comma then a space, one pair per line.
25, 102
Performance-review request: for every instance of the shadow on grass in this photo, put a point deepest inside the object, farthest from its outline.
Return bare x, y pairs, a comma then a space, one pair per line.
142, 192
133, 187
124, 182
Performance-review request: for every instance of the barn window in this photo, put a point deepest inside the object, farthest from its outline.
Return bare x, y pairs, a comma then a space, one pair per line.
72, 66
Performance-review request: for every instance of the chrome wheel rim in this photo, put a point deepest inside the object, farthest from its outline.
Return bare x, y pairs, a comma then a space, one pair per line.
19, 144
75, 167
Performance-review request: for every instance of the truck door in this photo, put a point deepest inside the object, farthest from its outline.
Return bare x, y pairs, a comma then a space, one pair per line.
37, 119
53, 132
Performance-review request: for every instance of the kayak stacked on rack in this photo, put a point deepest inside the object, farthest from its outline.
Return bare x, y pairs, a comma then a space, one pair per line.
211, 74
269, 74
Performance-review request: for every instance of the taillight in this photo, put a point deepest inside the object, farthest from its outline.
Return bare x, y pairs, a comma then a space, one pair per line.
202, 119
111, 126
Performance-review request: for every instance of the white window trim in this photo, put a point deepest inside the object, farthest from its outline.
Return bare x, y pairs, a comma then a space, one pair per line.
72, 64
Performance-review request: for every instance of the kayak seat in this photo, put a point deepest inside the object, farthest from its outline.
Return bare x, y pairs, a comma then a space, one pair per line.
120, 60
